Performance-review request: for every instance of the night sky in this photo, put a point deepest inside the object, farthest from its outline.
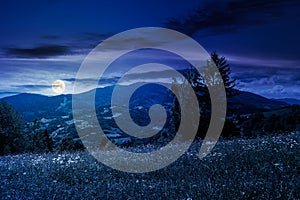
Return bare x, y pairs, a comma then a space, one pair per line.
42, 41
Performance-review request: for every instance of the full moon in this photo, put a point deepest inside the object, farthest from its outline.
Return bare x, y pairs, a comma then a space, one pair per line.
58, 86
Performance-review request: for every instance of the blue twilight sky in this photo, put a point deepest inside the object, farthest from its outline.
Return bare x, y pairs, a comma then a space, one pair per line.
42, 41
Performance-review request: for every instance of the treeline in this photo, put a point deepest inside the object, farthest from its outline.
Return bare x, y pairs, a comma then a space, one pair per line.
274, 122
16, 136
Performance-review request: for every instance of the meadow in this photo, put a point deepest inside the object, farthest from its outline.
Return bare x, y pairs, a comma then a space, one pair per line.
260, 168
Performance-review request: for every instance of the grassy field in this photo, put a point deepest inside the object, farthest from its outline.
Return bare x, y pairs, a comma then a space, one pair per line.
263, 168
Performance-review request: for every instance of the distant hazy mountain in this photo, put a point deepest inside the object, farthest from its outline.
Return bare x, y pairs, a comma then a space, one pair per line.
290, 101
32, 106
247, 102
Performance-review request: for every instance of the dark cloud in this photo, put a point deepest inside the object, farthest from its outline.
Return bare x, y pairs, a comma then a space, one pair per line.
38, 52
83, 43
51, 37
69, 79
85, 79
277, 75
94, 35
32, 86
218, 17
102, 81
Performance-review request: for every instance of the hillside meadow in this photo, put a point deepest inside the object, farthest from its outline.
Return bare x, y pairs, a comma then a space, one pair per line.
261, 168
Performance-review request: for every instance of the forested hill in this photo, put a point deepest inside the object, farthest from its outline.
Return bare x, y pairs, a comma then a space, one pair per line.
34, 106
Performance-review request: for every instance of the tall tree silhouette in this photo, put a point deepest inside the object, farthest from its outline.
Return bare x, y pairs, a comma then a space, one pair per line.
225, 71
200, 85
212, 78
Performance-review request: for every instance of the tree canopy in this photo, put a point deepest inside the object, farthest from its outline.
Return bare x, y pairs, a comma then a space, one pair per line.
11, 124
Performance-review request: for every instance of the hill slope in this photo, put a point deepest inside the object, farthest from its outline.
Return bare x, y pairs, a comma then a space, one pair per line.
247, 102
32, 106
264, 168
290, 101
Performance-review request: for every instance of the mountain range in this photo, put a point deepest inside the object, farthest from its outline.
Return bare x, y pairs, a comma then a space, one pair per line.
289, 101
35, 106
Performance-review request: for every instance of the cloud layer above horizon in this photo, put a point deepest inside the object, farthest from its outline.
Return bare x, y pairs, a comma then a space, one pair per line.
43, 42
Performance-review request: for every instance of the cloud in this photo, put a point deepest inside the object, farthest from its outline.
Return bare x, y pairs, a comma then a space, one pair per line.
216, 17
39, 51
94, 36
261, 75
153, 76
83, 43
32, 86
51, 37
89, 81
272, 82
263, 61
276, 89
56, 45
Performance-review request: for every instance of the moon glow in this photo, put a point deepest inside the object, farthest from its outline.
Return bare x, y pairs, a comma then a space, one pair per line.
58, 86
